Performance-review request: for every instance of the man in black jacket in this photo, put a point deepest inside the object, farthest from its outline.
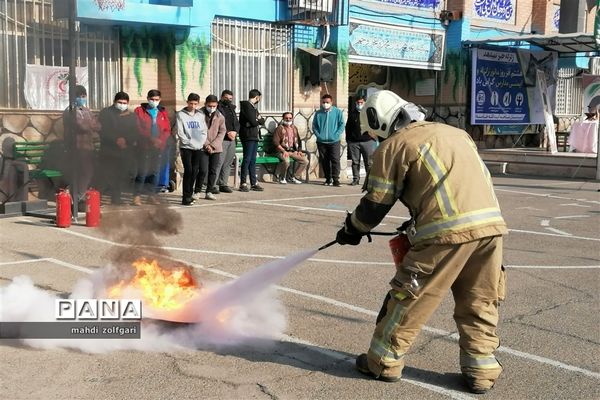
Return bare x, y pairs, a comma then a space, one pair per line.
227, 108
117, 143
250, 120
359, 143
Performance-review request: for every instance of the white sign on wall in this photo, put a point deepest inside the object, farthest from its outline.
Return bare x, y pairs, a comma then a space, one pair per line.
47, 87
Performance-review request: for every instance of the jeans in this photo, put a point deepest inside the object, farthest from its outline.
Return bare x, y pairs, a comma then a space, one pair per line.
225, 161
355, 151
329, 158
209, 163
148, 170
191, 166
249, 162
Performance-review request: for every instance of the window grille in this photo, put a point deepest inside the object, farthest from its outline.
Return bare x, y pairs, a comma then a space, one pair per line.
253, 55
569, 92
30, 35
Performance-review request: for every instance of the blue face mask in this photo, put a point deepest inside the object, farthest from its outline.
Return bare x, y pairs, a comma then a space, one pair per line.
81, 101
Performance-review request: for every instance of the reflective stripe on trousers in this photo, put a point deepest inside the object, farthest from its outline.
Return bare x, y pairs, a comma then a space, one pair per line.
478, 361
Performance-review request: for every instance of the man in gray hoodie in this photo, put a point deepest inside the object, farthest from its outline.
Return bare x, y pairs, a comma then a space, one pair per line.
192, 132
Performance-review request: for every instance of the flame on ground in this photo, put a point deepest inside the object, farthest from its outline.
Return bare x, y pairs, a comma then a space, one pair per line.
161, 288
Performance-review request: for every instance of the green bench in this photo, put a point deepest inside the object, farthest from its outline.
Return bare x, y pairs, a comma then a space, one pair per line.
32, 153
265, 156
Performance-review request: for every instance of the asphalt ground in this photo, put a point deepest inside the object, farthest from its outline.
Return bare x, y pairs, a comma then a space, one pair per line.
549, 328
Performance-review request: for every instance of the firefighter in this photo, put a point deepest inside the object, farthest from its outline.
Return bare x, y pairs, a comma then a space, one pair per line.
455, 233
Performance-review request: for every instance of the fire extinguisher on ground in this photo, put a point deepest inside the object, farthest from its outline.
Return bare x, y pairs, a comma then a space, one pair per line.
92, 208
63, 208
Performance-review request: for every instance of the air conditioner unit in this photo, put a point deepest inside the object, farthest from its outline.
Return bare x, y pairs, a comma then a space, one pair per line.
311, 6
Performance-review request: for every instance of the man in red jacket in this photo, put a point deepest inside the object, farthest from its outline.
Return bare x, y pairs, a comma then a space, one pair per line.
154, 129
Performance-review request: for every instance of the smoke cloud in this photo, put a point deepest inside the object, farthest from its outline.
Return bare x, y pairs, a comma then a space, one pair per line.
237, 312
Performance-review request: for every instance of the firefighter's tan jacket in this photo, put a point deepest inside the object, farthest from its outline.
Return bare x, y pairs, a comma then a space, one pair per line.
435, 171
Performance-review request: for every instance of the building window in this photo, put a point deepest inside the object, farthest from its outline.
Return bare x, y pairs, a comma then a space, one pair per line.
30, 35
569, 92
253, 55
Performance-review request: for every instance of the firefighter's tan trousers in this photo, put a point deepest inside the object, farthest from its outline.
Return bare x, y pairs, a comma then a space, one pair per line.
473, 272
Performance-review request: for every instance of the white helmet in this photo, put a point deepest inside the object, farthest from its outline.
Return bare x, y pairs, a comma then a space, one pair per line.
385, 112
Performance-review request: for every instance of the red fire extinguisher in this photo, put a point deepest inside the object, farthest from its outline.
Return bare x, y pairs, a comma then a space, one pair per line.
92, 207
63, 208
399, 246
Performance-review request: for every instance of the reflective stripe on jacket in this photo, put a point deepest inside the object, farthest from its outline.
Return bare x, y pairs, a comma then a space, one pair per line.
435, 171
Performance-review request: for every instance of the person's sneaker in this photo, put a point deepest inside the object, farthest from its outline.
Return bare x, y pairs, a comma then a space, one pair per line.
257, 188
196, 196
210, 196
244, 187
336, 184
215, 190
225, 189
137, 201
296, 181
188, 202
283, 181
362, 365
327, 183
354, 182
478, 386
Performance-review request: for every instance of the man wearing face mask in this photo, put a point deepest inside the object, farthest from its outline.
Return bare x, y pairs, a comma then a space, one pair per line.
328, 125
288, 144
81, 137
359, 142
117, 143
227, 108
212, 148
154, 129
250, 121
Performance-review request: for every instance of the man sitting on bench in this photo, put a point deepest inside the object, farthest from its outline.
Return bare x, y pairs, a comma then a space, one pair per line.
288, 144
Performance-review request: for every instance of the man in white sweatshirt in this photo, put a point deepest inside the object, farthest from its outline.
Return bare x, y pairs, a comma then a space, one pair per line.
191, 131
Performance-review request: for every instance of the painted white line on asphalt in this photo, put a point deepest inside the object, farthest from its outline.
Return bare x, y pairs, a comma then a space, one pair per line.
565, 267
17, 262
575, 205
551, 196
554, 234
453, 394
449, 335
261, 202
71, 266
545, 222
572, 216
559, 232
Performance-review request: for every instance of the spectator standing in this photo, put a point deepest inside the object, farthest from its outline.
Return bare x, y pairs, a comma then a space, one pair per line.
360, 144
117, 143
213, 146
250, 120
288, 144
154, 129
328, 125
232, 124
191, 132
83, 131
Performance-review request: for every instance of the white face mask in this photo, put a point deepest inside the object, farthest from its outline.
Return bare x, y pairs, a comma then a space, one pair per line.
121, 107
153, 104
211, 110
359, 106
326, 106
287, 123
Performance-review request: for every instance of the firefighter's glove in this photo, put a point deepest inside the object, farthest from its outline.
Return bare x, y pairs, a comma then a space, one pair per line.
349, 234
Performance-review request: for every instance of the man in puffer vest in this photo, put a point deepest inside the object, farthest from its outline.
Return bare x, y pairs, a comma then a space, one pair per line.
455, 233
